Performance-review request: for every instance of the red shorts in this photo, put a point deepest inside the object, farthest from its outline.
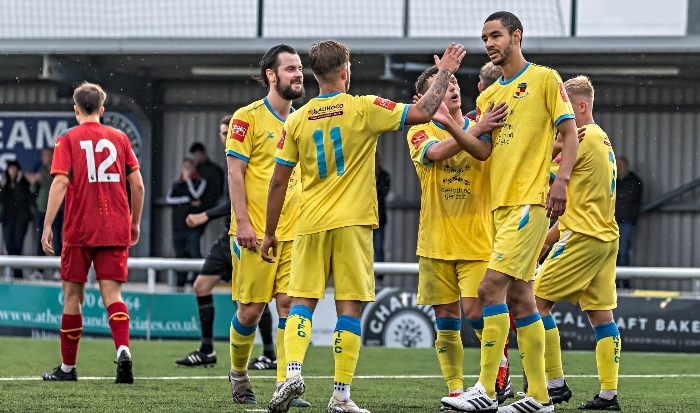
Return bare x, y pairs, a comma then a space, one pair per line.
110, 263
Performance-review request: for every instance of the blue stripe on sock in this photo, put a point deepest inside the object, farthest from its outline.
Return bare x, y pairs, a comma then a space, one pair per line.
301, 310
282, 323
606, 330
240, 328
448, 323
524, 322
497, 309
477, 324
549, 322
347, 323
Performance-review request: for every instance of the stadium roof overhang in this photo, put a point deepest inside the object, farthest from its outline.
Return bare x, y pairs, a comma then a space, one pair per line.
672, 59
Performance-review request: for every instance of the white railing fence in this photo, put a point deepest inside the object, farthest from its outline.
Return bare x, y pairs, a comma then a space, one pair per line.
153, 264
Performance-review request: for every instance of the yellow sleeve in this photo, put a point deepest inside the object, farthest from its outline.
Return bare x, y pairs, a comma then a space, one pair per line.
287, 152
558, 103
418, 143
481, 107
239, 141
383, 115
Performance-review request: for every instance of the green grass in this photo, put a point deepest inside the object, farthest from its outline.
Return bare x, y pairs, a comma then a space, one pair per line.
31, 358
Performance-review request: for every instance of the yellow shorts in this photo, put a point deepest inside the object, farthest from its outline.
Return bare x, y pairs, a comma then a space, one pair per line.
519, 233
444, 282
346, 253
579, 269
257, 281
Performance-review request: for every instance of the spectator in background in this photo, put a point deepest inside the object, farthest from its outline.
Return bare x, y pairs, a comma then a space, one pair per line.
383, 181
15, 202
186, 198
41, 182
627, 207
211, 173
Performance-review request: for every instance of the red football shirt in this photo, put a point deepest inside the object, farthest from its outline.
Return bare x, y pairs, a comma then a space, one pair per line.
96, 159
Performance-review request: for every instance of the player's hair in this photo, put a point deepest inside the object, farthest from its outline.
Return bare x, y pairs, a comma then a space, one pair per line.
580, 86
489, 74
197, 147
509, 20
327, 58
89, 97
226, 120
422, 82
271, 61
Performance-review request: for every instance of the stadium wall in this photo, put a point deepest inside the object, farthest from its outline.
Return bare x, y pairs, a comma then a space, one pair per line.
655, 126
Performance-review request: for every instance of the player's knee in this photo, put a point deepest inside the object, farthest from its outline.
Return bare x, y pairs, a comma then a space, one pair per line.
202, 286
544, 306
249, 314
472, 312
600, 317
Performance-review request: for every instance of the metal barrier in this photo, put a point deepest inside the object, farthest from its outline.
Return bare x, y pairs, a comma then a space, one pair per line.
151, 265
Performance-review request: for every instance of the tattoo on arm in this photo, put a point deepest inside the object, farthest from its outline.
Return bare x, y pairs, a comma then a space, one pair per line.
433, 97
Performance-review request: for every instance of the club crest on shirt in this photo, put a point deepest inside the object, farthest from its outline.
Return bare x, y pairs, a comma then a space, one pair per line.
521, 91
270, 135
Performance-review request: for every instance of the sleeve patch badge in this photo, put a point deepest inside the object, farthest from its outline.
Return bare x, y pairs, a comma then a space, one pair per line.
419, 138
239, 129
385, 103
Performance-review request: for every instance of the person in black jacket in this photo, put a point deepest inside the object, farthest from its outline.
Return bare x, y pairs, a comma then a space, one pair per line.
209, 171
185, 197
383, 181
627, 207
15, 201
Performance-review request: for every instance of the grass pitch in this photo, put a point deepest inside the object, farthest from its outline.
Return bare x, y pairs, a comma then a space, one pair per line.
649, 382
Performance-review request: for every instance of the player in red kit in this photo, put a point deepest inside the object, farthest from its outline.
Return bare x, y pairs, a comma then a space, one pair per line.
91, 166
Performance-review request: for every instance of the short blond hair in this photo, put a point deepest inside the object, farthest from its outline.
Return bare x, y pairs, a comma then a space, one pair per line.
580, 86
489, 74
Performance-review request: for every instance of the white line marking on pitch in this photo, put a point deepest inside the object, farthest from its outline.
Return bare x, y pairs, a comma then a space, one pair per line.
583, 376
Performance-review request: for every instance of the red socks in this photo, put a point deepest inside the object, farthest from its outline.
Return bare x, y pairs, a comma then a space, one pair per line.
71, 330
119, 323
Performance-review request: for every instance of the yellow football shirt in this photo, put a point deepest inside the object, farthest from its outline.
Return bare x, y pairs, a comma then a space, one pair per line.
252, 136
333, 138
522, 147
455, 213
590, 208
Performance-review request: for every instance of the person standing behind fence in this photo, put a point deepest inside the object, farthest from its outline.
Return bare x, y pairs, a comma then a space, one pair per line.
209, 171
185, 197
41, 182
15, 202
91, 165
627, 208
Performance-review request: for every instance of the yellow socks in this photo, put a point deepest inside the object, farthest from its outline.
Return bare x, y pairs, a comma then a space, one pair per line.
346, 351
297, 337
531, 346
552, 349
242, 339
495, 332
450, 351
607, 354
281, 357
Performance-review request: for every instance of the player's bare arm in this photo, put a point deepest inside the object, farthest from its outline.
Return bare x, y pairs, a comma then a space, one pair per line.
57, 192
275, 200
550, 239
559, 143
137, 196
426, 107
245, 234
556, 199
469, 139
